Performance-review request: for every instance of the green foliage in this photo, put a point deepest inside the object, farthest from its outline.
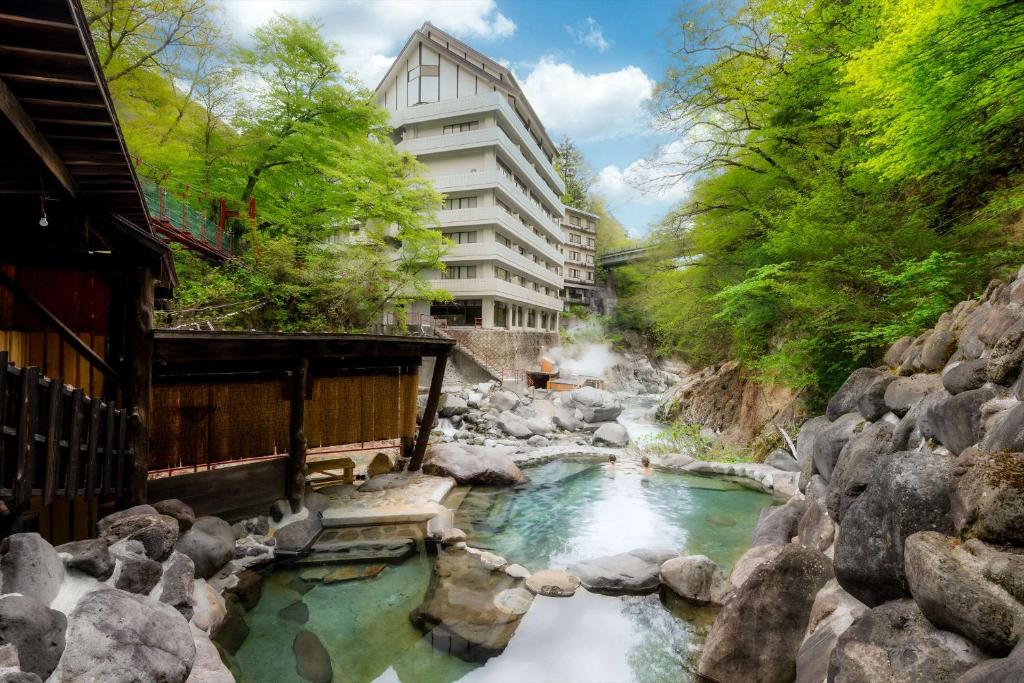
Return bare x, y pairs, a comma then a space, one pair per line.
856, 172
611, 234
575, 173
343, 216
686, 438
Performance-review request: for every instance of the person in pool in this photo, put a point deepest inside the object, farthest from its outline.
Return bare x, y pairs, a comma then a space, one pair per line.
609, 466
646, 463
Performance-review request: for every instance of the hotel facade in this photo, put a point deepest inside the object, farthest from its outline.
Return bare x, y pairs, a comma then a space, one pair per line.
465, 117
580, 229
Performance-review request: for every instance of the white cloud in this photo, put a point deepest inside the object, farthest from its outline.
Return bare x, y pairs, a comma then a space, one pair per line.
648, 181
589, 106
589, 34
373, 31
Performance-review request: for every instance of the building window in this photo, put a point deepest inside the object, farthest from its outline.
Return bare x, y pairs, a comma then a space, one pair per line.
462, 237
590, 257
590, 242
575, 239
573, 272
531, 318
575, 220
503, 274
590, 276
451, 203
459, 273
464, 127
574, 256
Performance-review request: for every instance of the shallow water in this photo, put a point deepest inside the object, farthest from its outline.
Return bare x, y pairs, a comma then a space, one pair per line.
569, 511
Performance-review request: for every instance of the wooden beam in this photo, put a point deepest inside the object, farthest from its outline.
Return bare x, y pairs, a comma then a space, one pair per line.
22, 21
13, 110
429, 412
297, 436
53, 433
138, 379
83, 349
28, 418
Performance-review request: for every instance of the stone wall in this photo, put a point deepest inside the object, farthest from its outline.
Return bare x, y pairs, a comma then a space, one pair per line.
504, 349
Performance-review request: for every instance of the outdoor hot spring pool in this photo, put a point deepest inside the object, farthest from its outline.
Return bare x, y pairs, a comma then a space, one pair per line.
569, 511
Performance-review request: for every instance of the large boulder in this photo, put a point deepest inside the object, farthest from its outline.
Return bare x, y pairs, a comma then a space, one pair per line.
452, 405
816, 529
540, 426
312, 661
751, 560
178, 584
502, 401
596, 405
553, 583
635, 572
833, 611
611, 434
895, 643
472, 465
805, 437
904, 392
910, 492
949, 586
35, 630
757, 635
1008, 433
781, 459
157, 532
856, 465
965, 376
830, 442
988, 502
1005, 359
697, 579
172, 507
210, 543
298, 536
1008, 669
894, 356
117, 636
30, 566
871, 403
939, 346
845, 400
90, 557
778, 524
955, 421
514, 426
565, 418
135, 572
123, 522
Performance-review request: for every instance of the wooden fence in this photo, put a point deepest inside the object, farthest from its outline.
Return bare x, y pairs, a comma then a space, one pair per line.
63, 453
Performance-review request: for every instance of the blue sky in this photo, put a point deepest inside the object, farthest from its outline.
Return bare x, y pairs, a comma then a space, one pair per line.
588, 68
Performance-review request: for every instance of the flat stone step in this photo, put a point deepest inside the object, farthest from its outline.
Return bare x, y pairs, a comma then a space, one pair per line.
341, 552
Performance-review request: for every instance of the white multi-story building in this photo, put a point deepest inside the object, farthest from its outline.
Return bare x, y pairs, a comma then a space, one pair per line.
580, 228
466, 118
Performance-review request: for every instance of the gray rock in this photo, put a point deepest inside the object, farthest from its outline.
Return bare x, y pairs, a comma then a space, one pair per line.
537, 441
611, 434
846, 398
259, 525
969, 344
949, 586
904, 392
91, 557
955, 421
997, 323
540, 426
778, 524
210, 543
297, 611
13, 675
1005, 569
697, 579
596, 405
1008, 433
939, 346
833, 611
871, 404
855, 466
311, 659
178, 584
157, 538
895, 642
782, 460
751, 560
117, 636
907, 435
172, 507
30, 566
909, 492
805, 437
553, 583
121, 523
830, 441
757, 635
566, 419
988, 501
279, 509
514, 426
1004, 670
894, 356
452, 405
35, 630
298, 537
135, 573
965, 376
503, 400
634, 572
472, 465
816, 529
1007, 353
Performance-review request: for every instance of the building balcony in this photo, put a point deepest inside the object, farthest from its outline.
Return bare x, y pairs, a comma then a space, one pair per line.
487, 137
509, 258
467, 106
488, 180
475, 288
495, 215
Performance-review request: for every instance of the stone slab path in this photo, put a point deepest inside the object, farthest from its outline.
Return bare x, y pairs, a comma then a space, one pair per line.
414, 497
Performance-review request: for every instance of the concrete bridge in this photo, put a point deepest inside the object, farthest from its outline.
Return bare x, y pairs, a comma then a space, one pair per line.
622, 257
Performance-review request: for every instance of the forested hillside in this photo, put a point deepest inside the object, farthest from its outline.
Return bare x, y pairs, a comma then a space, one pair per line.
857, 170
277, 120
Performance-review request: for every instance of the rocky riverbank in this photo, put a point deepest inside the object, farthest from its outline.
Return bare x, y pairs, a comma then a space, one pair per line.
902, 555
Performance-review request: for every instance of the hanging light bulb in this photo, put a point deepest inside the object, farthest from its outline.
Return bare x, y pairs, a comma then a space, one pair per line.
42, 219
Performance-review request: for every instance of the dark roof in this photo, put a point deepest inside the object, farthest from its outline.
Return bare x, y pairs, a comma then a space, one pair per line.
59, 128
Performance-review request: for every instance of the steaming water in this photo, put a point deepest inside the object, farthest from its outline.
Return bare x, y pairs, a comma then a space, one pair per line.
568, 512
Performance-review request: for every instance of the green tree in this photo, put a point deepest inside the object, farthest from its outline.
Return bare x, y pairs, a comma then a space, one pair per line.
576, 174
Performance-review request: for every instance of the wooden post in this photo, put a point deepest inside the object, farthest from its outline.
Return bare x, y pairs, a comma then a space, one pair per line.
430, 411
297, 436
138, 376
